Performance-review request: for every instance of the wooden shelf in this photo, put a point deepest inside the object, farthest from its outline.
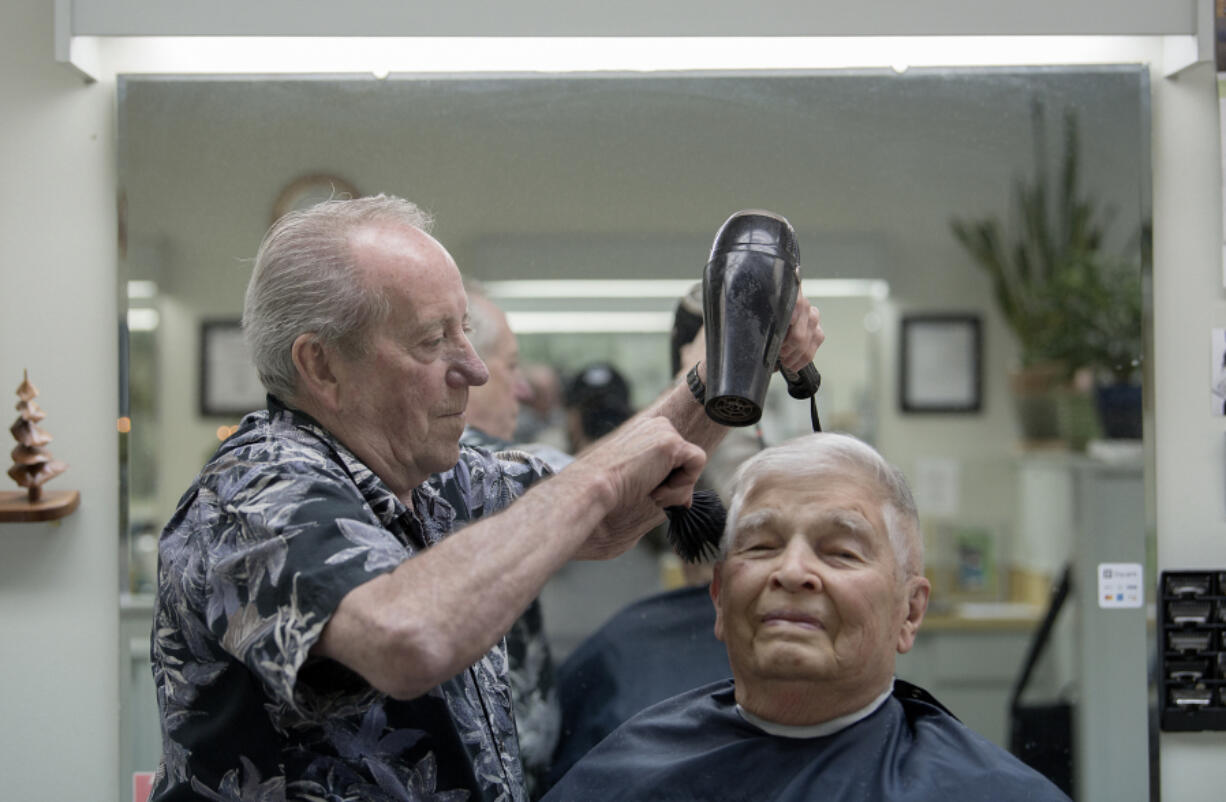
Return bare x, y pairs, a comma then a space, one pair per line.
16, 507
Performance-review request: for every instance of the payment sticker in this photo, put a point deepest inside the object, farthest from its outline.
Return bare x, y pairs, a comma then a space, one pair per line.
1120, 585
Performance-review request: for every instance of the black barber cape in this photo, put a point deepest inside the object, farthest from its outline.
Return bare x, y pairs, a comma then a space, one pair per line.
650, 651
697, 747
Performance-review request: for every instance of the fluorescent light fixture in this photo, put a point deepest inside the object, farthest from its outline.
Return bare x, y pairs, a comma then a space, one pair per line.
583, 288
590, 322
386, 55
817, 288
142, 319
142, 289
667, 288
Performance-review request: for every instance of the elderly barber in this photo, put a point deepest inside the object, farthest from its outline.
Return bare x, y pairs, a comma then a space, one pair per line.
819, 586
334, 586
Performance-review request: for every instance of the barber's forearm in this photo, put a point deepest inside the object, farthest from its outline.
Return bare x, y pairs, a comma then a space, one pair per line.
441, 610
688, 416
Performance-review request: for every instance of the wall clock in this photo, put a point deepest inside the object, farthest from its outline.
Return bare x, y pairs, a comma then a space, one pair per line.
310, 189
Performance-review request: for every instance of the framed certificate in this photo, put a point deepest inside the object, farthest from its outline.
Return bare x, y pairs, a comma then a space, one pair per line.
229, 384
940, 359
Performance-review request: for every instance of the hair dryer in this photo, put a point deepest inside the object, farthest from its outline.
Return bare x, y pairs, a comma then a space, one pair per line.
749, 288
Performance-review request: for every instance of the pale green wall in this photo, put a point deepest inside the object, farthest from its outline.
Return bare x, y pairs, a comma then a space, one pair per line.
58, 590
1190, 444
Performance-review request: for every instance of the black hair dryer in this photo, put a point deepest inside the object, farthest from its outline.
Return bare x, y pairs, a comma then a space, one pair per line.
749, 288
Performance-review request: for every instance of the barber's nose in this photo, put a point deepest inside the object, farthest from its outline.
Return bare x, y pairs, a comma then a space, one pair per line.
797, 569
467, 369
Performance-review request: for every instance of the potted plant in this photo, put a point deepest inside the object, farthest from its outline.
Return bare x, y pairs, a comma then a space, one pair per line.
1103, 299
1074, 309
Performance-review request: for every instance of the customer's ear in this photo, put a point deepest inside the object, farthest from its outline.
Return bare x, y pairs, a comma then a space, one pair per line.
917, 590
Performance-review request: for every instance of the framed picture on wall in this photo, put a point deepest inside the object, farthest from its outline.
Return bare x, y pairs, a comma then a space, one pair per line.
940, 363
229, 384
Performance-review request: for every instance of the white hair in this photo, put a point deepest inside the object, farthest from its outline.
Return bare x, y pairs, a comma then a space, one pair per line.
305, 281
824, 454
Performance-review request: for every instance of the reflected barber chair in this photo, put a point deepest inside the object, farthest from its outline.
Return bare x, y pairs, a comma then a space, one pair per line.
1041, 733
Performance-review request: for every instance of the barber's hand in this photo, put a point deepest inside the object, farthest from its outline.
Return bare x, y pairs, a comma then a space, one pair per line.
804, 335
641, 468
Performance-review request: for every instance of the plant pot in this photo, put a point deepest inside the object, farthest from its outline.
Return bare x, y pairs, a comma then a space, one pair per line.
1119, 410
1078, 417
1037, 393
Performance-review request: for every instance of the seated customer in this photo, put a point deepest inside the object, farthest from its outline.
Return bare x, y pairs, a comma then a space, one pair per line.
819, 584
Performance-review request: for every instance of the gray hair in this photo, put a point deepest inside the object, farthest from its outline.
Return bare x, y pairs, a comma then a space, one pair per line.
828, 454
305, 281
485, 329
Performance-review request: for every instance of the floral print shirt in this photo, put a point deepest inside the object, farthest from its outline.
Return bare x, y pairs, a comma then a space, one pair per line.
280, 524
534, 695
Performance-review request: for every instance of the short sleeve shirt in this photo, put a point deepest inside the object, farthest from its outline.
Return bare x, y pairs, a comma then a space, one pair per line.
280, 524
534, 697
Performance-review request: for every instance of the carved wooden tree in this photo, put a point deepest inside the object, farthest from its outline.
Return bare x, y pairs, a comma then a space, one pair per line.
32, 463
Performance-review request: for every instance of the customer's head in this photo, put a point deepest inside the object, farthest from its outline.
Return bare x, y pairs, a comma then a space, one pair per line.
494, 406
356, 315
820, 582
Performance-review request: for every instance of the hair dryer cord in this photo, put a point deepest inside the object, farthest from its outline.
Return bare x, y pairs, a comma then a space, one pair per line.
805, 385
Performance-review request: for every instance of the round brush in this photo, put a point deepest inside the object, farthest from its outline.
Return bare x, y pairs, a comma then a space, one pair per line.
694, 532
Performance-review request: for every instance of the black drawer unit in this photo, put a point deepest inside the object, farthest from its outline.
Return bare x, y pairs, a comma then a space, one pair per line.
1192, 646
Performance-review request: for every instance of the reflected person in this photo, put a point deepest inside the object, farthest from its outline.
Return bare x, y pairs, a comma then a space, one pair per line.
687, 346
819, 585
334, 586
542, 420
493, 409
663, 644
597, 401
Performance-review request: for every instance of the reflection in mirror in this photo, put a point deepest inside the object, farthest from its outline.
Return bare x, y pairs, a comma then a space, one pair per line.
627, 177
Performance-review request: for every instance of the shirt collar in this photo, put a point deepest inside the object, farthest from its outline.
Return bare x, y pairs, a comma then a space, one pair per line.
385, 504
478, 437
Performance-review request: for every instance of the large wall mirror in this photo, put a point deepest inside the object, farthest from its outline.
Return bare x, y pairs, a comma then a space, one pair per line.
541, 182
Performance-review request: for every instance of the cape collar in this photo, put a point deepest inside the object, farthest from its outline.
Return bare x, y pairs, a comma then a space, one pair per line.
816, 730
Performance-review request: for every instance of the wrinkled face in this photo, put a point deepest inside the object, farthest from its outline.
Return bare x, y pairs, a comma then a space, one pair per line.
808, 590
403, 404
494, 406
